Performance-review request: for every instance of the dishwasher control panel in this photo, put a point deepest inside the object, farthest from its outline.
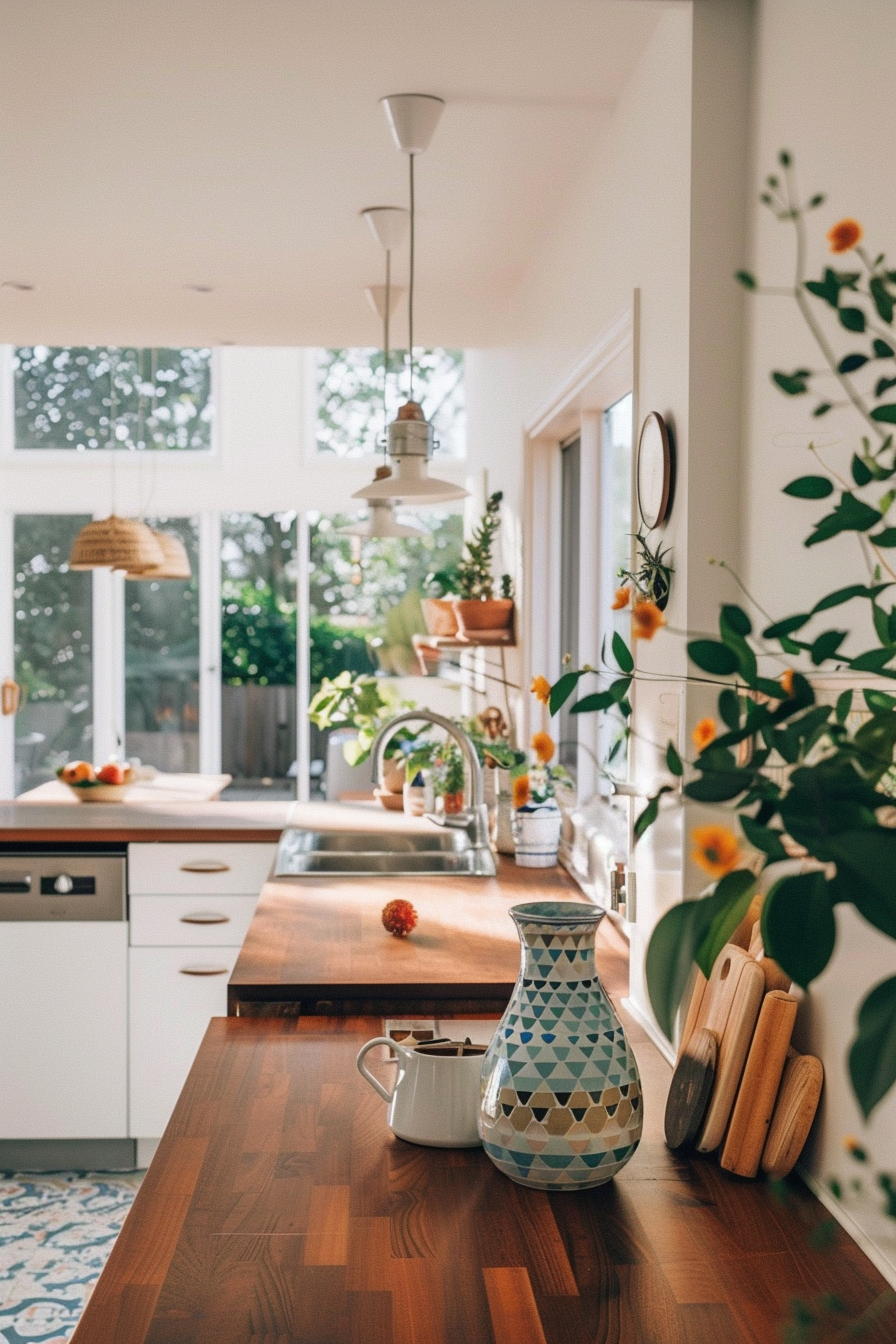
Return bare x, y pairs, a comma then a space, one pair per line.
63, 886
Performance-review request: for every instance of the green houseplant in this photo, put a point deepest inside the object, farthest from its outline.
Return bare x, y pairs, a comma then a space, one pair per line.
802, 777
365, 704
475, 605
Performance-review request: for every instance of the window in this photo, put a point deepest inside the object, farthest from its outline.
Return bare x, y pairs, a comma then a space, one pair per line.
161, 662
53, 647
63, 398
570, 561
615, 553
350, 417
258, 655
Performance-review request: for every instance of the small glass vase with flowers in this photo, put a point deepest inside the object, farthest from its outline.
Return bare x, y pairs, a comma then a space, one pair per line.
537, 819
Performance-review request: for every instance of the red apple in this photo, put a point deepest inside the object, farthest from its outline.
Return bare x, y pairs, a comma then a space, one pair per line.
113, 773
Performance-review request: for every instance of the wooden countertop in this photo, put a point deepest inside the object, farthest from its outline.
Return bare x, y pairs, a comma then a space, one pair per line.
279, 1207
261, 822
318, 944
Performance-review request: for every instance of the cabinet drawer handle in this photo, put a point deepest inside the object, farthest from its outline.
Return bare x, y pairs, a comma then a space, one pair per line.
205, 866
203, 970
202, 918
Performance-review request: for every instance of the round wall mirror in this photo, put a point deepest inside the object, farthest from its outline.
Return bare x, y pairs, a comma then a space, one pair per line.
654, 470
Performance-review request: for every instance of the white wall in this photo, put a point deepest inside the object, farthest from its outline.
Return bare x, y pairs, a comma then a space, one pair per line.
824, 91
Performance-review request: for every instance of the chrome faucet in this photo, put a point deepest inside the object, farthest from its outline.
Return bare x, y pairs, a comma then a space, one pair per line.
474, 818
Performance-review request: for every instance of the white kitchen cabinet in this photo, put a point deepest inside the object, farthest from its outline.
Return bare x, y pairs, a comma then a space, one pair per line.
173, 993
201, 869
190, 921
63, 1030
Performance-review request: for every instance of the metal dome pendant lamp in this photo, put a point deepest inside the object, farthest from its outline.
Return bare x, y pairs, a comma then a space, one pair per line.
113, 542
388, 225
413, 118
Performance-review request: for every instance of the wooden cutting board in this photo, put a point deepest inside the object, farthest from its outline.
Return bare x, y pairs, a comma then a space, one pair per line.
690, 1089
734, 1046
752, 1114
775, 978
693, 1012
795, 1108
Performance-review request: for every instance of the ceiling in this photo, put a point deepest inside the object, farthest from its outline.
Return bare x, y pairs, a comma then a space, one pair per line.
147, 148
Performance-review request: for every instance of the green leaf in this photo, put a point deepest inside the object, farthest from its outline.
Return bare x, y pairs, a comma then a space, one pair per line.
883, 385
710, 656
764, 839
849, 363
786, 627
872, 1055
563, 689
673, 761
591, 704
850, 515
885, 538
681, 932
746, 279
729, 708
733, 639
793, 384
842, 595
879, 700
719, 787
737, 619
826, 645
876, 741
861, 473
650, 813
882, 350
886, 414
866, 861
810, 487
853, 319
822, 409
732, 898
622, 653
844, 705
883, 299
618, 689
873, 661
798, 927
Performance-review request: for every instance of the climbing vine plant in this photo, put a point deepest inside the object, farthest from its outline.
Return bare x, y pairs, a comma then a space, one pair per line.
832, 801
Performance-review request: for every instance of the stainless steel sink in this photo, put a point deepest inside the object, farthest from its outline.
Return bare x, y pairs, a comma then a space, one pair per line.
373, 853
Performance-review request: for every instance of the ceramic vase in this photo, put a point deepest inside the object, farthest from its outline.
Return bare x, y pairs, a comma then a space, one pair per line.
536, 834
561, 1101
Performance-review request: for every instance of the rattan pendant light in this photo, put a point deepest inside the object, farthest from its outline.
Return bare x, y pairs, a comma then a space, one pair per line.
175, 564
113, 542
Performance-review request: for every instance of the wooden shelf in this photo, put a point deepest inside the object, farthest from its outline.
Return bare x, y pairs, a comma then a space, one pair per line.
429, 648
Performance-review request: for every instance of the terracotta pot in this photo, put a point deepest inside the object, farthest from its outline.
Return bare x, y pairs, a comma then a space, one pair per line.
495, 613
438, 613
393, 774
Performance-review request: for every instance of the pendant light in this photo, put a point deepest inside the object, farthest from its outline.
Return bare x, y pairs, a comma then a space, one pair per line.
175, 563
113, 542
413, 118
388, 225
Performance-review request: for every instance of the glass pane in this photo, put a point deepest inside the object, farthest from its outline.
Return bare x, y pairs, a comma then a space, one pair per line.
63, 398
258, 663
161, 660
365, 609
616, 512
350, 416
570, 562
53, 648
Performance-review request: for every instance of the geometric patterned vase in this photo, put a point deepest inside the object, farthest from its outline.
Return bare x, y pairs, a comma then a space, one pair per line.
561, 1095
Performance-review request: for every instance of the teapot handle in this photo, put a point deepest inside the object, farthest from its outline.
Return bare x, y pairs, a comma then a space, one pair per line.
365, 1072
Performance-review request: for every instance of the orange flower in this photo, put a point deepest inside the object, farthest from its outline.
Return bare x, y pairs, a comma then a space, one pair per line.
622, 598
522, 792
541, 689
704, 733
855, 1149
844, 235
716, 849
786, 680
543, 746
646, 620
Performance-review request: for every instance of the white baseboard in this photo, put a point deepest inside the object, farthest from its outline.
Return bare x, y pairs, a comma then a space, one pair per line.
883, 1263
651, 1028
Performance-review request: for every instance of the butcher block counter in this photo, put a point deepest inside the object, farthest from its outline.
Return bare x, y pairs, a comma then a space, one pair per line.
317, 944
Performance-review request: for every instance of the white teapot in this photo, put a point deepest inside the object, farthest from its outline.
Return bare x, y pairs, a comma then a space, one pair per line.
435, 1098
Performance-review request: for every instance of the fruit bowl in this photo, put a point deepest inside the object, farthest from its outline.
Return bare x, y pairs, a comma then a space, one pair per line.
89, 785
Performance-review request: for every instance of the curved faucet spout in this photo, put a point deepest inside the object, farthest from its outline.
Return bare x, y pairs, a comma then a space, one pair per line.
477, 814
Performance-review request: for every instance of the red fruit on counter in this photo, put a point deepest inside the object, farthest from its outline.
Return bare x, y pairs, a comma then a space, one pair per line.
113, 773
399, 917
77, 772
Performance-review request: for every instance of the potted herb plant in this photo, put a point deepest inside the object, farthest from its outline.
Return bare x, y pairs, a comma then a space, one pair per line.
364, 703
476, 607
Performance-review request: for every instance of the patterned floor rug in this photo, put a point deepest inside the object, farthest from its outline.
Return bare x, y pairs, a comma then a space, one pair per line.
56, 1232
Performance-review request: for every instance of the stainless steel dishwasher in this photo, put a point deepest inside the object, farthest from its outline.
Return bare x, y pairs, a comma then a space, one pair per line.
63, 1008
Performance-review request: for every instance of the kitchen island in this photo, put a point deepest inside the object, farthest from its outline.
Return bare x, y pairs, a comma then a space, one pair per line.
279, 1207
